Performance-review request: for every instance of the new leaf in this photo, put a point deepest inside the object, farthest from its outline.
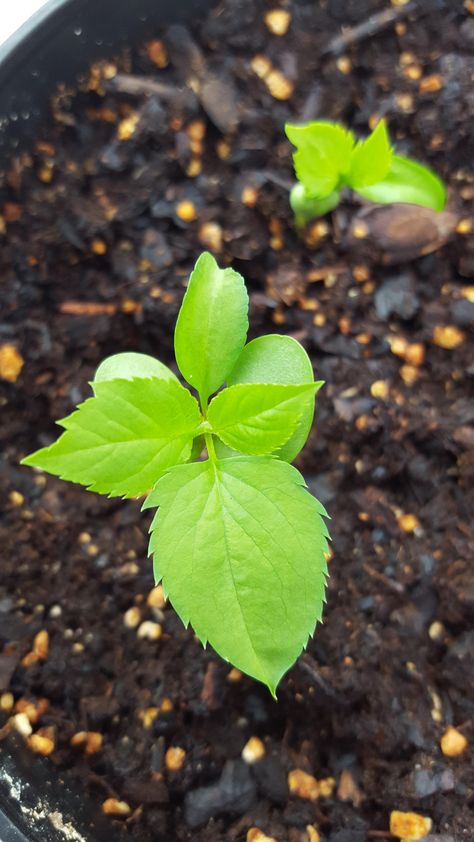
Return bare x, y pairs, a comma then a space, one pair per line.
120, 441
370, 159
410, 182
258, 418
323, 153
212, 326
240, 548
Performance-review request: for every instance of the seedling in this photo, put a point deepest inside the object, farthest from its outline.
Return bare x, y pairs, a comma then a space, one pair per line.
238, 541
328, 158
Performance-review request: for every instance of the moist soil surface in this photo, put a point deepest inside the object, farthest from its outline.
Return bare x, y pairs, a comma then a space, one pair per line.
159, 154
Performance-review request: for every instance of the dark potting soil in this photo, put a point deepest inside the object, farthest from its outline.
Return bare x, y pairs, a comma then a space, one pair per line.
158, 155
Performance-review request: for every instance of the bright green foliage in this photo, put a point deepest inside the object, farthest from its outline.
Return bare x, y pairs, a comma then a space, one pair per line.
212, 326
239, 542
370, 159
410, 182
279, 359
328, 158
129, 365
323, 153
246, 567
117, 443
257, 419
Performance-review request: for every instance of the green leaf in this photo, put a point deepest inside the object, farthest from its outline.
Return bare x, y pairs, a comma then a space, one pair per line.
371, 158
323, 155
120, 441
278, 359
128, 365
240, 549
258, 418
212, 326
410, 182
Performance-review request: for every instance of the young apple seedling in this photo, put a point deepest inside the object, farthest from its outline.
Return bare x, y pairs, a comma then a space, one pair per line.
238, 542
328, 158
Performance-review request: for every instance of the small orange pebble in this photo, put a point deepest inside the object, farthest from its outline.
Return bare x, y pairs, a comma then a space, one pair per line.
361, 273
453, 743
254, 834
194, 168
156, 598
253, 750
431, 84
223, 149
361, 422
156, 52
148, 716
41, 644
326, 787
360, 230
468, 293
210, 235
6, 702
379, 389
319, 319
405, 103
448, 336
409, 826
33, 710
29, 659
11, 363
278, 85
41, 745
196, 130
99, 246
303, 785
45, 174
261, 66
149, 630
344, 325
91, 740
249, 196
109, 70
16, 498
126, 127
415, 353
174, 758
344, 65
277, 21
406, 58
363, 338
464, 226
315, 233
166, 705
363, 517
408, 522
234, 676
313, 834
114, 807
186, 211
409, 374
413, 72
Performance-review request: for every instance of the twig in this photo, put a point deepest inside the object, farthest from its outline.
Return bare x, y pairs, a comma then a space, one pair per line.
394, 586
126, 83
375, 23
309, 665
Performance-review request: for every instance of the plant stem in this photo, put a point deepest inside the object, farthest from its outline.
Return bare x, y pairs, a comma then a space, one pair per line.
211, 451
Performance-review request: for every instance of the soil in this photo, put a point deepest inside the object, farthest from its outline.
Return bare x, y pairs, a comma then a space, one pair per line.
96, 250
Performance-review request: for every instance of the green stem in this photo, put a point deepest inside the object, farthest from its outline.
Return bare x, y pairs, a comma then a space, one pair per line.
211, 451
306, 208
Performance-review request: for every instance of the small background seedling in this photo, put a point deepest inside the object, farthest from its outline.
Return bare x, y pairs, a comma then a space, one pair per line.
238, 541
328, 158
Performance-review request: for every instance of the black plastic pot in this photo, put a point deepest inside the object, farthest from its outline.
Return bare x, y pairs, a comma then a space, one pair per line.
37, 803
60, 41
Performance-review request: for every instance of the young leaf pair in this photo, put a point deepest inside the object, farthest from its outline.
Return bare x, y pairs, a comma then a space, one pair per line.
238, 542
328, 158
